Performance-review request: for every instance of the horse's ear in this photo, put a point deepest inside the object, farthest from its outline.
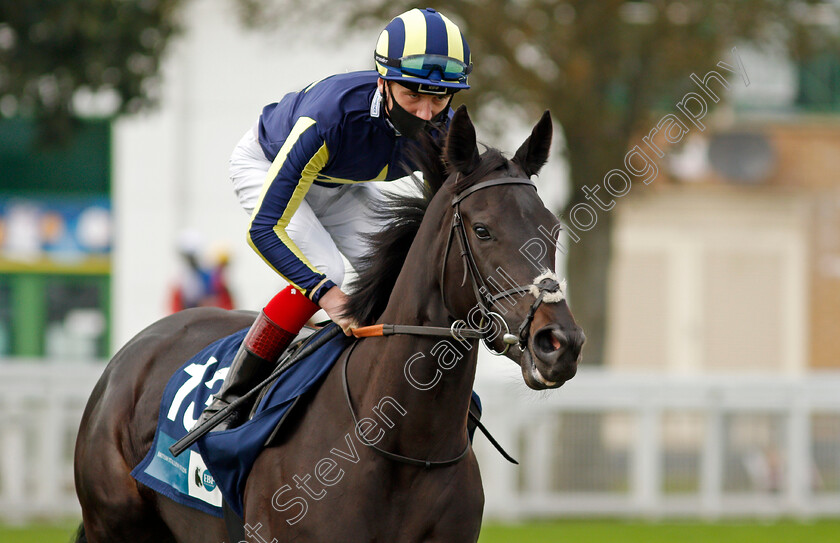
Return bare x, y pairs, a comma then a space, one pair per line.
533, 154
461, 151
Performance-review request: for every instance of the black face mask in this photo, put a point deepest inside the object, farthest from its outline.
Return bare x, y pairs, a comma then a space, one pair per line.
409, 125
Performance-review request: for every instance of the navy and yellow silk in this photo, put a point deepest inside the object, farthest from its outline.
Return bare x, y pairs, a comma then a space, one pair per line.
331, 133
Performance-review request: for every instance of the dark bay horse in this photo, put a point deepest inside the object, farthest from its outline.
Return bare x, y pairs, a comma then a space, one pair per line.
395, 464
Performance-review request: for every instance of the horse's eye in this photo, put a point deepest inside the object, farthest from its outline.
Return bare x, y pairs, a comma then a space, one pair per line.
481, 231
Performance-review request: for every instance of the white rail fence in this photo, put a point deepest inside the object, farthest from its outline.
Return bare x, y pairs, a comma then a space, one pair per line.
653, 446
604, 444
41, 404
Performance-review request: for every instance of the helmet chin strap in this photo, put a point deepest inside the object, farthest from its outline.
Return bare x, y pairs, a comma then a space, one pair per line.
408, 124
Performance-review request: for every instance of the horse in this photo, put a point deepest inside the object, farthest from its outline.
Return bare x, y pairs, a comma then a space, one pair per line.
381, 451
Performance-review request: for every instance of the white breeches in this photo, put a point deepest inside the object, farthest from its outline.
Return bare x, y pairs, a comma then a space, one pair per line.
330, 221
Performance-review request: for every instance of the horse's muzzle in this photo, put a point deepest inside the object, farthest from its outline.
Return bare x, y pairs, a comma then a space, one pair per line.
553, 357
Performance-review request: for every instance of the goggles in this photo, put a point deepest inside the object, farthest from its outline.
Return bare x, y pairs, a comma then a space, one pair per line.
448, 68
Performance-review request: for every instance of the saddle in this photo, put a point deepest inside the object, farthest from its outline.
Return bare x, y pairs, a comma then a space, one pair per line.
223, 459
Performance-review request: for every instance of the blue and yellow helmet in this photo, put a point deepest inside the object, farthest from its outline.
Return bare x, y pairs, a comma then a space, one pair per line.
424, 50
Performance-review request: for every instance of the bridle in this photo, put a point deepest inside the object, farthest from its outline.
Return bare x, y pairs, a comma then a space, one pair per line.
546, 285
484, 299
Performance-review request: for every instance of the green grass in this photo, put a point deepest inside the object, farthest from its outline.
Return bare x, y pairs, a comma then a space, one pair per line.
39, 533
572, 531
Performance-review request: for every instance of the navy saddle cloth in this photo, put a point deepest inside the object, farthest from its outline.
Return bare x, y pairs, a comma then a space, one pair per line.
217, 466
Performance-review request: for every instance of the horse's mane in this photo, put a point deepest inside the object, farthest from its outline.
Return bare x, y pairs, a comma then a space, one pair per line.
379, 268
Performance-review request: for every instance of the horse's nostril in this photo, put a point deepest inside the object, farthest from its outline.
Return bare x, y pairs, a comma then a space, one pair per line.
558, 340
550, 341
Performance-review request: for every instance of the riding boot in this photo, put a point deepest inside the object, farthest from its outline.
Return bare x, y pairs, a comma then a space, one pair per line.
275, 328
254, 361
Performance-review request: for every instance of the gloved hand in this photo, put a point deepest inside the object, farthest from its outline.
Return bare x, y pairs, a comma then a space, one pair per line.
333, 303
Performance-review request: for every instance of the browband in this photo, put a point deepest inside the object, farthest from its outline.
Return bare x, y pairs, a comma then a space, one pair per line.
492, 183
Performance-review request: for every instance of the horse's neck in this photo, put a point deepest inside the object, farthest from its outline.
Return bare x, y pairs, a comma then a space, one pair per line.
431, 378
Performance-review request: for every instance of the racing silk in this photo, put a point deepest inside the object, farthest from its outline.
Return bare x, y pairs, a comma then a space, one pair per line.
332, 132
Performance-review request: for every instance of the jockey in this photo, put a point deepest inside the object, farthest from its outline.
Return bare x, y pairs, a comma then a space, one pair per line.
300, 173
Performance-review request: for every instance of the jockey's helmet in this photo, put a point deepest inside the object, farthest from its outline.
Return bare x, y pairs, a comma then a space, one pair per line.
425, 51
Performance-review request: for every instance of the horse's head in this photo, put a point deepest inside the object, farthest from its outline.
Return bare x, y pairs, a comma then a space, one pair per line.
499, 258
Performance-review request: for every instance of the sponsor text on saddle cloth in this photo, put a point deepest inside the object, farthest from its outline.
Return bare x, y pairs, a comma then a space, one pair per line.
218, 464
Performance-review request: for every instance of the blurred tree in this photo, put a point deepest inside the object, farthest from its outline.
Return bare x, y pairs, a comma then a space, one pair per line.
54, 53
602, 67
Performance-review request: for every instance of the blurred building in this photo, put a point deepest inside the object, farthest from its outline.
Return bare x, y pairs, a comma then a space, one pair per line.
730, 259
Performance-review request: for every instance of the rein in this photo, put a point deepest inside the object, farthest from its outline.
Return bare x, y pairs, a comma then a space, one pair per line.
545, 288
389, 455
